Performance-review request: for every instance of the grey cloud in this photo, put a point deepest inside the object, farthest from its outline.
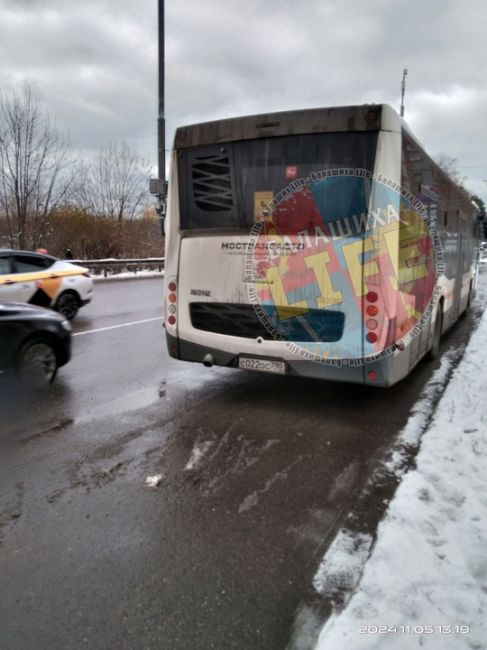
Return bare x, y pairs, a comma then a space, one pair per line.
93, 63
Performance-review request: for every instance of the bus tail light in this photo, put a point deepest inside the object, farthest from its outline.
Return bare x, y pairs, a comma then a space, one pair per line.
171, 300
372, 310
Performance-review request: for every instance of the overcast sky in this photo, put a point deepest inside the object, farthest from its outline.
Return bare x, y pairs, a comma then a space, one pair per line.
93, 64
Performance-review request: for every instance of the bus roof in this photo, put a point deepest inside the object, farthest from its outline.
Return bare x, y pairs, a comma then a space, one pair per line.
367, 117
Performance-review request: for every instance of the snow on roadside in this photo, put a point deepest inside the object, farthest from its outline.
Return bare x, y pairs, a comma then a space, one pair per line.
153, 481
343, 563
341, 569
128, 275
197, 453
427, 572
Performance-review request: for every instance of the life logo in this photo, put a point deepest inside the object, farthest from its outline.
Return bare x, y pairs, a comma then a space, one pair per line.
343, 265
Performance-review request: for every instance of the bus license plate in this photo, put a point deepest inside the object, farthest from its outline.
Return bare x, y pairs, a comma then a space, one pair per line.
262, 365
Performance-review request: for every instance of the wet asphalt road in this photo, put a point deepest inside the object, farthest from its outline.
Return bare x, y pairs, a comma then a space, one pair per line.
258, 472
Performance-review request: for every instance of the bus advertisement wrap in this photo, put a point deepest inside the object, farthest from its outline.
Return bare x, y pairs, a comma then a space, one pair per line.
343, 266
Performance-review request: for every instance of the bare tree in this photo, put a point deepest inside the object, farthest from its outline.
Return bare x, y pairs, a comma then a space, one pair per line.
115, 184
450, 166
36, 168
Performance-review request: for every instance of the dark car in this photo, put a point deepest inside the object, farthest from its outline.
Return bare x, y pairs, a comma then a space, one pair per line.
34, 343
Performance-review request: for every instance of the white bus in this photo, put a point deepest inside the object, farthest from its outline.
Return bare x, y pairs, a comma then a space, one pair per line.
323, 243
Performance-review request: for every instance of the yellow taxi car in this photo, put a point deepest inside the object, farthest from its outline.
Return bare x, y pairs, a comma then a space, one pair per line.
44, 281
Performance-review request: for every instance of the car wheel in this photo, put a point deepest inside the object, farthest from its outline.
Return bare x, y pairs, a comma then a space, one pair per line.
68, 304
435, 344
37, 363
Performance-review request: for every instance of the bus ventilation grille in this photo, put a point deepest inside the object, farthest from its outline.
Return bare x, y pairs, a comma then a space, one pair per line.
234, 319
228, 318
212, 184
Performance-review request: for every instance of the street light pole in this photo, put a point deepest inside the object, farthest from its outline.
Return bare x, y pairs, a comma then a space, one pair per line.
161, 121
158, 186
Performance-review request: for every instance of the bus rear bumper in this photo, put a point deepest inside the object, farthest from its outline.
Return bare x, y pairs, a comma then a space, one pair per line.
371, 374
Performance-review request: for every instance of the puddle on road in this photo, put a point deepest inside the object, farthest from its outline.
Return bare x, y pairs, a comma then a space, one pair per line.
171, 391
124, 403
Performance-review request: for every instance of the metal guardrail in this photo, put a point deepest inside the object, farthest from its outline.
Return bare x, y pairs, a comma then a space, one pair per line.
108, 267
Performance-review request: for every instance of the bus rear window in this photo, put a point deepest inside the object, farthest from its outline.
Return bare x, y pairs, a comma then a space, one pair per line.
225, 186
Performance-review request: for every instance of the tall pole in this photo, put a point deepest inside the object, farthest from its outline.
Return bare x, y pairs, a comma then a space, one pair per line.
403, 90
158, 186
161, 122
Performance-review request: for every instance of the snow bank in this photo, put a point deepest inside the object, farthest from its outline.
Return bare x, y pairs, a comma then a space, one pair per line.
127, 275
425, 583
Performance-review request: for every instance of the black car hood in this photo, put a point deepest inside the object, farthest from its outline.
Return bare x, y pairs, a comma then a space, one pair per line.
21, 309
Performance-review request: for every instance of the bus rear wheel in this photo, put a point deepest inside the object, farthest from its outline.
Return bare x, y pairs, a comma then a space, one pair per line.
435, 343
470, 296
